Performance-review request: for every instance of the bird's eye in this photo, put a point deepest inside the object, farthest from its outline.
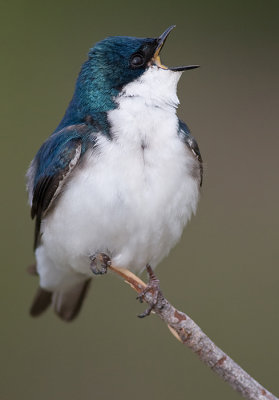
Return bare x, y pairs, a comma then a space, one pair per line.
137, 61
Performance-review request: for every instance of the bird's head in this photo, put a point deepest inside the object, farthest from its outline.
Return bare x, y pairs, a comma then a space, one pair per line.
120, 64
121, 59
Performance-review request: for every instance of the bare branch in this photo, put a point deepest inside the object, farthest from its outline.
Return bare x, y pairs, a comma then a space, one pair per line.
189, 333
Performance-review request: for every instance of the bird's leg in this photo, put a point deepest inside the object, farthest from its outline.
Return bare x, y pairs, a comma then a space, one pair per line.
99, 263
154, 289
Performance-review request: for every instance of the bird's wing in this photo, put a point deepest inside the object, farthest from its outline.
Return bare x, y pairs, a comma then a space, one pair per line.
191, 143
51, 168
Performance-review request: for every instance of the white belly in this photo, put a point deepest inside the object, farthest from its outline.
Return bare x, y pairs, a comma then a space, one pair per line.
130, 198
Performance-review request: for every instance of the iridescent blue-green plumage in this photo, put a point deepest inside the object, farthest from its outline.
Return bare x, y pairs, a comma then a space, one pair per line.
103, 76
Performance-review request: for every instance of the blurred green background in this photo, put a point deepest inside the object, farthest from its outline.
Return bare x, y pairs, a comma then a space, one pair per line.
224, 272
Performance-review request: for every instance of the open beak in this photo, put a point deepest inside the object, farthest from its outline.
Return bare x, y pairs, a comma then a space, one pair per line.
156, 57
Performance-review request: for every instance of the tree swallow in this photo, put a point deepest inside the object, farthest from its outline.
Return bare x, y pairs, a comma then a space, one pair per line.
118, 179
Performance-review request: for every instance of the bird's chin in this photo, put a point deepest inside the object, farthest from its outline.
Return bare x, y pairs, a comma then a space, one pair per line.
164, 75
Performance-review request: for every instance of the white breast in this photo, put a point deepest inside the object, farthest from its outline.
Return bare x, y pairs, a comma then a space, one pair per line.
132, 195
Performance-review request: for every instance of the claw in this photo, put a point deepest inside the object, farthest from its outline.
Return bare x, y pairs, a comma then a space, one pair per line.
146, 312
139, 297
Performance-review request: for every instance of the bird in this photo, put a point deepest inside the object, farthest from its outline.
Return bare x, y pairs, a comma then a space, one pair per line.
118, 179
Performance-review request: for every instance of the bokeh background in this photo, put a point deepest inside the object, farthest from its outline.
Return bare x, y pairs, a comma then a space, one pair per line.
224, 272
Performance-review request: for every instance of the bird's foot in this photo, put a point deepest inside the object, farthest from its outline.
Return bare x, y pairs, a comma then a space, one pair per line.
154, 289
99, 263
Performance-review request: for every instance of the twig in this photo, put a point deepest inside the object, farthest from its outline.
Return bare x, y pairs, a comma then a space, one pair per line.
189, 333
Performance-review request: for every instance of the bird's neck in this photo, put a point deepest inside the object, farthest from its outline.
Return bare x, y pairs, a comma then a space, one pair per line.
92, 97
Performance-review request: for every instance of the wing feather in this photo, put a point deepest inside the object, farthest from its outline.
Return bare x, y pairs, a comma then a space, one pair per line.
52, 166
192, 144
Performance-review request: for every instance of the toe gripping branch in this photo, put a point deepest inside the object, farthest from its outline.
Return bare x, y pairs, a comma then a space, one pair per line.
151, 293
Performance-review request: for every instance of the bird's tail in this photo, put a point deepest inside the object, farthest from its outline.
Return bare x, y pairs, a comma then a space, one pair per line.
66, 303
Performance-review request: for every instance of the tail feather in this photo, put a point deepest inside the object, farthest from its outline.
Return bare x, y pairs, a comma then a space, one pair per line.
41, 302
67, 304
